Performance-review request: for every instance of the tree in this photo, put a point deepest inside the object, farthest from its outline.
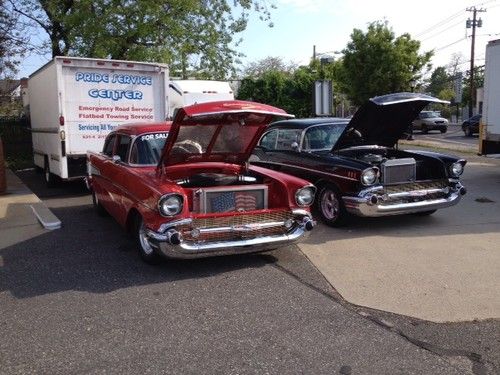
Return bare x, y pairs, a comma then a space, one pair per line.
376, 62
12, 42
290, 90
478, 82
258, 68
197, 35
439, 81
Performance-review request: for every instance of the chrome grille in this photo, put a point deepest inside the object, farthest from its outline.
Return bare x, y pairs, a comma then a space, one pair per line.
395, 171
421, 185
236, 221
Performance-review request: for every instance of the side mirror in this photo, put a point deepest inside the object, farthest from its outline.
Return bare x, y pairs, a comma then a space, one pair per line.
117, 159
295, 146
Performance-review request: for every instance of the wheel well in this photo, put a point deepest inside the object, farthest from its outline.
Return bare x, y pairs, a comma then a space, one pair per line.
321, 183
133, 214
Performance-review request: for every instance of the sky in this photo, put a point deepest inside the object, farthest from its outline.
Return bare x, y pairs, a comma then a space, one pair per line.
327, 24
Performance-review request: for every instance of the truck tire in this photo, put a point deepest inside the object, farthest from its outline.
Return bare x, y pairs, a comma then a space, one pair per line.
50, 178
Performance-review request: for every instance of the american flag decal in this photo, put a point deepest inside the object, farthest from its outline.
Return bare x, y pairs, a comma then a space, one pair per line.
245, 202
233, 201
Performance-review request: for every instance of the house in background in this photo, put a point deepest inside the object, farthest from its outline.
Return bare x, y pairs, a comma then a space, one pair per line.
13, 97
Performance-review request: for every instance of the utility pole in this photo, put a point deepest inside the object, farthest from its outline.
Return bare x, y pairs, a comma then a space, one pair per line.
474, 23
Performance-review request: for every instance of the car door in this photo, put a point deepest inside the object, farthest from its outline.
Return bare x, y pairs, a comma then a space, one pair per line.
279, 149
118, 173
102, 184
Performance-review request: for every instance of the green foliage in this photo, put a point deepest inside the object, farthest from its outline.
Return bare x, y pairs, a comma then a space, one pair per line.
291, 91
377, 62
440, 80
12, 42
446, 94
189, 35
478, 82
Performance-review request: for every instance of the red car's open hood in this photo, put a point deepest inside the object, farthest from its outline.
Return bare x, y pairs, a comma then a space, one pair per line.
217, 131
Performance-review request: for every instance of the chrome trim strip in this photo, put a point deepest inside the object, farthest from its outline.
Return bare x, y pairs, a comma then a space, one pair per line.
241, 111
55, 157
307, 169
243, 227
171, 224
416, 193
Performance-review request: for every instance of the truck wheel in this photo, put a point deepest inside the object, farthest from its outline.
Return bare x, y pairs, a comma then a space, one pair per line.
50, 178
101, 211
330, 206
146, 251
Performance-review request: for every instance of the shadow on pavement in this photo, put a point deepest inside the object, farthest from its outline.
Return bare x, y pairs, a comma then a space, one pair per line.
94, 254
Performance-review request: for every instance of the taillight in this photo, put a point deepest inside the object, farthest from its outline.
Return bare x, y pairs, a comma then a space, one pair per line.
61, 120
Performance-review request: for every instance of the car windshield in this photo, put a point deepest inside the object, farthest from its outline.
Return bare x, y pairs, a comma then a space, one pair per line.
430, 114
147, 148
322, 137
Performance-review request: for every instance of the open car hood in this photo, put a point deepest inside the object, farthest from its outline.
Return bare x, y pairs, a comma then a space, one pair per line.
217, 131
384, 119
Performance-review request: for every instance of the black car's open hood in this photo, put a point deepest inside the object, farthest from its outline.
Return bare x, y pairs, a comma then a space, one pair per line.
384, 119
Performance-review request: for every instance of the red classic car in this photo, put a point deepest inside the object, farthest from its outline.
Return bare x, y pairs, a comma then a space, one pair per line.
185, 188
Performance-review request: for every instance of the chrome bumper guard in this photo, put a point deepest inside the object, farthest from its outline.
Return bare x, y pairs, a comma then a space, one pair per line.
169, 242
372, 203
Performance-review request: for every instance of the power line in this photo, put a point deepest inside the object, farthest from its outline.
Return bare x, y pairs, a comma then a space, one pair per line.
440, 23
441, 31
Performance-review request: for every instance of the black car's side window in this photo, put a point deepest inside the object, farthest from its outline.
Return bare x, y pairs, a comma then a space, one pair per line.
287, 137
109, 145
268, 141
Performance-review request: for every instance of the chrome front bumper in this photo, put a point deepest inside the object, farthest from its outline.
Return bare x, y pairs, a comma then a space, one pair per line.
169, 241
372, 203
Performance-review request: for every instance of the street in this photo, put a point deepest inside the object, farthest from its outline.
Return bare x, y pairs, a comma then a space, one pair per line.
79, 300
453, 137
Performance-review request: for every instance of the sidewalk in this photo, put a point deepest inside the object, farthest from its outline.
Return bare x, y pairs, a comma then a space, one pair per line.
22, 214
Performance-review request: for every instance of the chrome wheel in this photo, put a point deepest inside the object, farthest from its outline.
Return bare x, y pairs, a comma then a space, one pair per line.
146, 251
330, 207
143, 240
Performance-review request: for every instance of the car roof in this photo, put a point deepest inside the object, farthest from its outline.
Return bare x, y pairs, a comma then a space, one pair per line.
141, 128
306, 122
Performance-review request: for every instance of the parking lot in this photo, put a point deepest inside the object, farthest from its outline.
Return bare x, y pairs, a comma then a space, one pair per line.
389, 295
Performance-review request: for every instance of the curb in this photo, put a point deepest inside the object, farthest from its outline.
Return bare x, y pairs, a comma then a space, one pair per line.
45, 216
19, 193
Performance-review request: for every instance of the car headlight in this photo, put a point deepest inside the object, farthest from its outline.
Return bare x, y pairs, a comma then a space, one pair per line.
456, 169
170, 204
369, 176
305, 196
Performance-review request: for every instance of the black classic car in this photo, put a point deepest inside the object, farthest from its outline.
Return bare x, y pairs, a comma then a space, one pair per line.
356, 163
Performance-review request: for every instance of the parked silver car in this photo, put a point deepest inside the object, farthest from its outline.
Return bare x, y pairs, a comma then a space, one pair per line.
430, 120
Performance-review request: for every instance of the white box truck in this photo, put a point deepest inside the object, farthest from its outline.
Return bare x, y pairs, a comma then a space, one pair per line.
489, 130
76, 102
191, 91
